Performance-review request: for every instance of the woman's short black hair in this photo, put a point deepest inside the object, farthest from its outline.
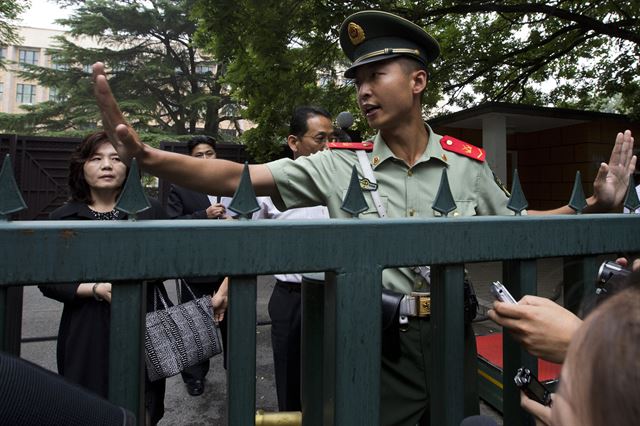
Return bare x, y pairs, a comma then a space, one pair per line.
197, 140
78, 186
298, 126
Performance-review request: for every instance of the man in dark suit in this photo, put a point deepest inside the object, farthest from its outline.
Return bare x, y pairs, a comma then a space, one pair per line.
187, 204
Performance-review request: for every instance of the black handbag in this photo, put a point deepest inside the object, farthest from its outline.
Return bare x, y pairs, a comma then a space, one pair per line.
179, 336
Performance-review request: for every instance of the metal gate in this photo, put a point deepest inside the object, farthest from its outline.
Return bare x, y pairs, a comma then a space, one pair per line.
349, 321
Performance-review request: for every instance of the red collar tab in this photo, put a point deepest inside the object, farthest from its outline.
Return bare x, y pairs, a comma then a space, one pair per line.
358, 146
463, 148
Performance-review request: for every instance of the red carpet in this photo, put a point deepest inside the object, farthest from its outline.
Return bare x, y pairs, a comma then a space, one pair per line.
490, 348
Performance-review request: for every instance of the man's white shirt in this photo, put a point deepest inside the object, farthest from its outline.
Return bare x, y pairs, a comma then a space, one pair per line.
269, 211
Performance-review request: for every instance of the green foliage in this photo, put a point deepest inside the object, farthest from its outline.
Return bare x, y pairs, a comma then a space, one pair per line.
564, 53
152, 138
162, 83
277, 52
274, 55
9, 12
569, 53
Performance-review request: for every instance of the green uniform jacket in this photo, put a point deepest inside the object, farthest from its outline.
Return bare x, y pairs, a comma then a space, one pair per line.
323, 178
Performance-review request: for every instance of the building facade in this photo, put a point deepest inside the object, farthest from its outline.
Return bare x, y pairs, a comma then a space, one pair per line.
546, 145
16, 91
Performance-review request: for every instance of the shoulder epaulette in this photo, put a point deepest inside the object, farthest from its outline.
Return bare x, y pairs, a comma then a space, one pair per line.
463, 148
358, 146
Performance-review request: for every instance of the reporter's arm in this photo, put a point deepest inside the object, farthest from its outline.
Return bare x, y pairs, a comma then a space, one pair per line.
542, 326
541, 413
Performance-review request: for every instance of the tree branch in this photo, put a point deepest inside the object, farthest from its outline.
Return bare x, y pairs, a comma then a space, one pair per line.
613, 29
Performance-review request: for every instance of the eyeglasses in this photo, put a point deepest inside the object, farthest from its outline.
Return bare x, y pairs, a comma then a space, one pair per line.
319, 138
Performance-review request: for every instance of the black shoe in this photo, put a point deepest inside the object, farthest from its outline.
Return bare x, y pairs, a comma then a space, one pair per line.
195, 387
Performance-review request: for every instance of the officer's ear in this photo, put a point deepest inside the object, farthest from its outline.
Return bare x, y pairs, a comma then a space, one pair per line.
420, 80
292, 141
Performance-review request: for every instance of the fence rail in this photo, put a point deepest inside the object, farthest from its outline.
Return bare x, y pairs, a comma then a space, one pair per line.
354, 253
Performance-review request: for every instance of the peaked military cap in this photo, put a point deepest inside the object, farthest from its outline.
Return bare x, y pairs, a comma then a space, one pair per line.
371, 36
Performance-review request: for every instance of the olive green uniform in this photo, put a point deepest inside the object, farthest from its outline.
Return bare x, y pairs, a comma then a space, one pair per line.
323, 178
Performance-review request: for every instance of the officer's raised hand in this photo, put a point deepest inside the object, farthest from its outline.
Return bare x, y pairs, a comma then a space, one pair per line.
612, 180
124, 139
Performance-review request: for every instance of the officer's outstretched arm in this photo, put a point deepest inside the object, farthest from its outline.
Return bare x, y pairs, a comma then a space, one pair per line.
218, 177
611, 182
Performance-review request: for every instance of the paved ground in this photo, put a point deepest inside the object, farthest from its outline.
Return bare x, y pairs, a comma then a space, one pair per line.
41, 318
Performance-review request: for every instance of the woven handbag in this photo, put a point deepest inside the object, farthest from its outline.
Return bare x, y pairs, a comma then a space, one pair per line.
179, 336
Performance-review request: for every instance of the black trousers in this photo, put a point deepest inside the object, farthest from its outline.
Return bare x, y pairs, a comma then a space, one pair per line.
199, 371
284, 310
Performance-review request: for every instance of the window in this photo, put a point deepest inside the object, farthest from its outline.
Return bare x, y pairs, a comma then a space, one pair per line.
26, 93
54, 94
26, 56
1, 91
3, 52
57, 65
205, 69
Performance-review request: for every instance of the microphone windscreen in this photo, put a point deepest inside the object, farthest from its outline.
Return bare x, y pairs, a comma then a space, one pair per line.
344, 120
478, 421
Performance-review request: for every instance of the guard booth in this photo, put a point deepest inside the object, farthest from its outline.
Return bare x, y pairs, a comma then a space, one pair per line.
347, 311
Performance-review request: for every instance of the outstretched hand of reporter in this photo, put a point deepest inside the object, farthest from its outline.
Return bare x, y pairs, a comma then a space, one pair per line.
624, 262
541, 413
611, 182
542, 326
124, 139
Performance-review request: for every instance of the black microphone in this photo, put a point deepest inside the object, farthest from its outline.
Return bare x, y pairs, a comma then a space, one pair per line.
478, 421
344, 120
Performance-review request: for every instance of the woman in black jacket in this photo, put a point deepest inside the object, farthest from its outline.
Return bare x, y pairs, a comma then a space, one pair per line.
96, 178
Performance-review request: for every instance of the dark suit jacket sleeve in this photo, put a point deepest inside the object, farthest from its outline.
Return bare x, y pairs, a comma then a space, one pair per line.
65, 293
181, 204
156, 211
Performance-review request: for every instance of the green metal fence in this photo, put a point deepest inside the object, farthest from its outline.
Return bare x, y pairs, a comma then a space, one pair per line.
352, 252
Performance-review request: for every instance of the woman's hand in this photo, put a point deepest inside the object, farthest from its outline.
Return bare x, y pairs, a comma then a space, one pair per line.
99, 291
219, 301
103, 290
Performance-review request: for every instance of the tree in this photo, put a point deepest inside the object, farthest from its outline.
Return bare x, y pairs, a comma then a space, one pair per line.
9, 12
565, 53
568, 53
161, 80
281, 54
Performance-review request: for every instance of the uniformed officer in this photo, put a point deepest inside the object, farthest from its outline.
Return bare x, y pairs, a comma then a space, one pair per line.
390, 57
